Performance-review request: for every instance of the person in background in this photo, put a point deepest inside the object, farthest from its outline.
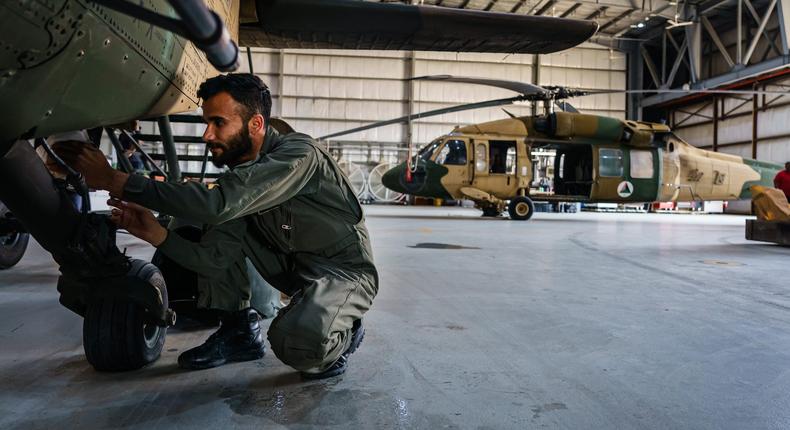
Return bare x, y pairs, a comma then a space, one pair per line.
782, 181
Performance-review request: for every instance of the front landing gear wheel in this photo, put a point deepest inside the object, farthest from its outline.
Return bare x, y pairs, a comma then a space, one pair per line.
12, 244
118, 334
521, 208
117, 337
12, 248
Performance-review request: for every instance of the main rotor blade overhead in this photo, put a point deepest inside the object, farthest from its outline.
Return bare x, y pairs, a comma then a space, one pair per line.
527, 91
407, 118
531, 90
558, 93
691, 91
519, 87
354, 24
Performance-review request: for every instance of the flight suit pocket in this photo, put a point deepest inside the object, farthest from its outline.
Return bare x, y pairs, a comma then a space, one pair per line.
285, 225
276, 225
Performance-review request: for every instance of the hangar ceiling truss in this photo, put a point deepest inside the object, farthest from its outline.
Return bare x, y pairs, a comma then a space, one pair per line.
616, 17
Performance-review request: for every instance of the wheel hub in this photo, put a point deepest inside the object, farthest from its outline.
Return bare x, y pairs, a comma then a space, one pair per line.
522, 209
9, 239
151, 333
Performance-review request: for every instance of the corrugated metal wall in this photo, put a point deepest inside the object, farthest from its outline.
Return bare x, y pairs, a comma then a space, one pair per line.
735, 131
320, 92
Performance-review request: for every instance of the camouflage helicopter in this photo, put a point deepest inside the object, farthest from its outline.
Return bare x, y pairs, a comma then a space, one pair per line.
68, 65
598, 159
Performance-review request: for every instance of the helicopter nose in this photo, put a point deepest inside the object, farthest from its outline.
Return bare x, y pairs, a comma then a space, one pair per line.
391, 178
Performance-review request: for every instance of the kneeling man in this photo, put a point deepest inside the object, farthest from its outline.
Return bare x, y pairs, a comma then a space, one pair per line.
284, 204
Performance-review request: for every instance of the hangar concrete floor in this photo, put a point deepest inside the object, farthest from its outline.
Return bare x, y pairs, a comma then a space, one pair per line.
570, 321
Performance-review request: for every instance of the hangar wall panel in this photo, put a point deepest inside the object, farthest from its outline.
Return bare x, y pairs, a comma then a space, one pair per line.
694, 124
321, 92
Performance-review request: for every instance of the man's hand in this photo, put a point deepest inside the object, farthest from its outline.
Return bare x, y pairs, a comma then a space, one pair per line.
88, 160
138, 221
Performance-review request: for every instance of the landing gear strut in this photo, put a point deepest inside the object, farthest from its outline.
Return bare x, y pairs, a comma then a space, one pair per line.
124, 301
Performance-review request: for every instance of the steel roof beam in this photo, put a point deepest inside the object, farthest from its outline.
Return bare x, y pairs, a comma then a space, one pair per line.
570, 10
784, 25
651, 66
518, 6
694, 50
616, 19
717, 41
756, 16
678, 61
734, 76
548, 6
597, 13
760, 31
677, 47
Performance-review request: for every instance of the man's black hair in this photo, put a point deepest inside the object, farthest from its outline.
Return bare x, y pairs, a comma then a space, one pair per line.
246, 89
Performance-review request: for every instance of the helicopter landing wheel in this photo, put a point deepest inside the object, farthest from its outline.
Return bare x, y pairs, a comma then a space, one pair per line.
521, 208
12, 248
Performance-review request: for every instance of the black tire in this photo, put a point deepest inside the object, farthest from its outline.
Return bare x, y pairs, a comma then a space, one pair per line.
117, 333
116, 336
12, 245
12, 248
521, 208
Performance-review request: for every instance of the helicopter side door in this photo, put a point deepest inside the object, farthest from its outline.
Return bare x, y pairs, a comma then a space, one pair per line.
625, 174
495, 167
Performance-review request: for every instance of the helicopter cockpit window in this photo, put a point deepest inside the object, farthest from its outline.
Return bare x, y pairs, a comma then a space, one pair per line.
610, 162
427, 151
453, 153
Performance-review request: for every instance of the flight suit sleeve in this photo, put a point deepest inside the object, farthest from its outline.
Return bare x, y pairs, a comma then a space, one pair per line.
219, 248
273, 179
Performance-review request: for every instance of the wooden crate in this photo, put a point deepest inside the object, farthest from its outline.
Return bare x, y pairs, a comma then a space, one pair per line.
768, 231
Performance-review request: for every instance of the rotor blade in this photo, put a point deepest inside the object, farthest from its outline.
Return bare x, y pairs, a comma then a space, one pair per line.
519, 87
407, 118
566, 107
354, 24
691, 91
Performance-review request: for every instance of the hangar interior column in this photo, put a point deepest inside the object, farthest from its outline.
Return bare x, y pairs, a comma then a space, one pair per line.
727, 45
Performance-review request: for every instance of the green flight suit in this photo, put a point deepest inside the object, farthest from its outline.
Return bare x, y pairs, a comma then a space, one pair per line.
293, 213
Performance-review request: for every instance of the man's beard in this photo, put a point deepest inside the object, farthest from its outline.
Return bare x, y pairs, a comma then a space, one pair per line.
237, 146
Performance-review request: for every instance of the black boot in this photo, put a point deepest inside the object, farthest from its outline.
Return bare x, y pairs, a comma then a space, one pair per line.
340, 365
238, 339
